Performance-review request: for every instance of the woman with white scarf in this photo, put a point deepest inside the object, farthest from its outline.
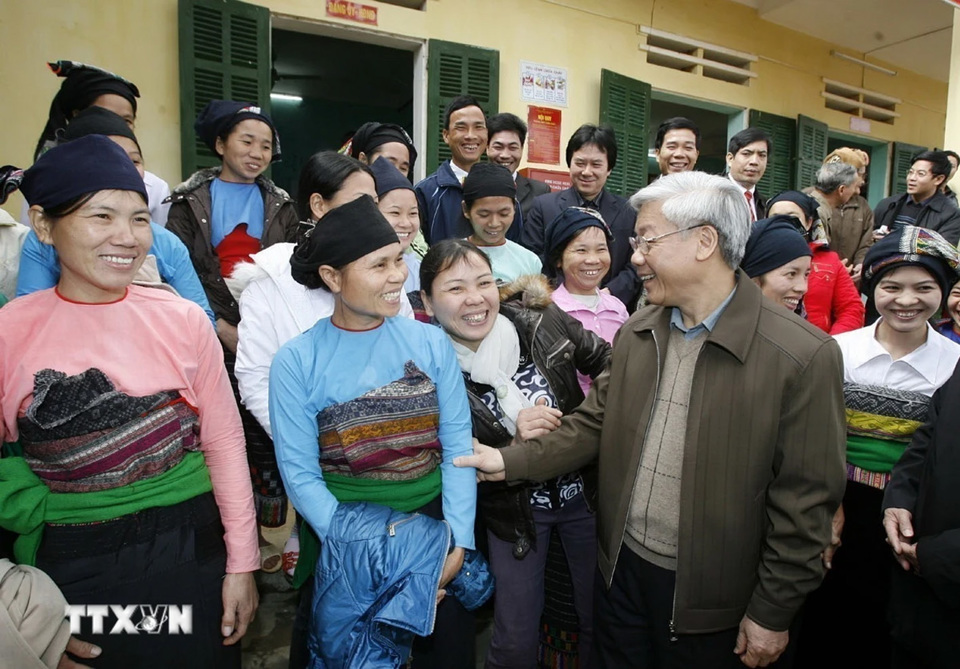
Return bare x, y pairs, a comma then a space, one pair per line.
520, 359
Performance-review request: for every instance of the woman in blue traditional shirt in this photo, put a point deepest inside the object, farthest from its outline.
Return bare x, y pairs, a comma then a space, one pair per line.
366, 407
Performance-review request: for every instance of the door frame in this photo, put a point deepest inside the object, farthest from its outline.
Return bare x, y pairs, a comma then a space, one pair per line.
367, 36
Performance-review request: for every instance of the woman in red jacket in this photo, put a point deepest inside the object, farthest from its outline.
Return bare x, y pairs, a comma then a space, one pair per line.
832, 301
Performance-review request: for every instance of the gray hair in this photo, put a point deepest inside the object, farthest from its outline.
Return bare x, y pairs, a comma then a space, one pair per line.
693, 198
833, 175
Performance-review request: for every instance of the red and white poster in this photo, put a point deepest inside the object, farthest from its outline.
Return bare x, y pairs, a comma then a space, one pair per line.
351, 11
543, 135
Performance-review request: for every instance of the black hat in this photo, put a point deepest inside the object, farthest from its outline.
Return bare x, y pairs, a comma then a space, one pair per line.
373, 134
807, 203
98, 121
82, 84
773, 242
86, 165
388, 177
219, 116
488, 180
343, 235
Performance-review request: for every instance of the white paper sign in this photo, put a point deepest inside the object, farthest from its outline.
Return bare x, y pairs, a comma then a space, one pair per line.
543, 83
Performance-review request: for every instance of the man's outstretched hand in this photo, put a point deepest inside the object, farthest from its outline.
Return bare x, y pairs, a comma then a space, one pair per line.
487, 461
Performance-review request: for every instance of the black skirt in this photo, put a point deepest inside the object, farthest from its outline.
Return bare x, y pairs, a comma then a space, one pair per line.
159, 572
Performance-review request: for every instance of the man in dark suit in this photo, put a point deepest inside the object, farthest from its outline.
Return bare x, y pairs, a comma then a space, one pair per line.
507, 134
747, 156
591, 155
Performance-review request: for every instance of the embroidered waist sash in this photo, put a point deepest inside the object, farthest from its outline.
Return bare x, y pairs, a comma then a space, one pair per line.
381, 447
79, 434
388, 434
880, 423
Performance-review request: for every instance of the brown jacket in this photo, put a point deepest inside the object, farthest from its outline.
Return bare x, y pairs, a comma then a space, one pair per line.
189, 219
849, 229
763, 466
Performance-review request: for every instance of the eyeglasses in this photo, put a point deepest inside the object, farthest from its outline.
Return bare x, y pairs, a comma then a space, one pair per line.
643, 244
920, 174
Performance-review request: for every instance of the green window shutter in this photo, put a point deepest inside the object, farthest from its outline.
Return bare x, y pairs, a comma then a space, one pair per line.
903, 154
625, 107
224, 55
454, 70
811, 150
783, 131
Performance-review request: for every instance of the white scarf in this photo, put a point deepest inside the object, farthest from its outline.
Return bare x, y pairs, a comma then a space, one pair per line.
493, 364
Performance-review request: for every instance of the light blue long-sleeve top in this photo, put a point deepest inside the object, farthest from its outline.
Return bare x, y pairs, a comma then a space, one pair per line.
327, 365
40, 267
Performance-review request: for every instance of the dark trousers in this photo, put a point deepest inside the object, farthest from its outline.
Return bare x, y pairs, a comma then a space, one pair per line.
451, 646
520, 585
632, 624
845, 620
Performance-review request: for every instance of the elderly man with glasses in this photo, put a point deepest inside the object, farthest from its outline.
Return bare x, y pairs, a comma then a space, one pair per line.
719, 428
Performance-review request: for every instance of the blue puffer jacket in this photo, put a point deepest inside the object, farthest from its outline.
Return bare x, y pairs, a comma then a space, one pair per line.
440, 197
376, 586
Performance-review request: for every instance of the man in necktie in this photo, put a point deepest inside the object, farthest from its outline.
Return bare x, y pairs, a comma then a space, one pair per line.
747, 156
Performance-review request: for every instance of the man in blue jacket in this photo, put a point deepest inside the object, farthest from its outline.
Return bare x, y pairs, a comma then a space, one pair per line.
440, 195
591, 155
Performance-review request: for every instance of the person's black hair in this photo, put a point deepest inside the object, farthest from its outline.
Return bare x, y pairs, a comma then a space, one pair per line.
746, 138
324, 174
458, 103
600, 135
443, 255
507, 122
939, 163
953, 154
676, 123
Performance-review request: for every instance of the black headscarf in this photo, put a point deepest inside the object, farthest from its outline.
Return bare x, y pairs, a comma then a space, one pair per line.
343, 235
82, 85
373, 134
488, 180
219, 116
773, 242
86, 165
909, 246
807, 203
98, 121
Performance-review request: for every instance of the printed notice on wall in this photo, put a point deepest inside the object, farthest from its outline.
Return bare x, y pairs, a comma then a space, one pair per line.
543, 136
351, 11
543, 83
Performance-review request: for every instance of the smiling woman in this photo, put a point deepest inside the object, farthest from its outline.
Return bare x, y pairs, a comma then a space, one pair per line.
368, 411
114, 494
224, 215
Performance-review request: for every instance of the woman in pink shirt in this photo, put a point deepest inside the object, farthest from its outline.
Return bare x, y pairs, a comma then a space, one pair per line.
129, 484
578, 258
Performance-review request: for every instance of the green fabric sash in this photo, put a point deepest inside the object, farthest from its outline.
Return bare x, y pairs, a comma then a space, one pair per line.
403, 496
874, 455
26, 503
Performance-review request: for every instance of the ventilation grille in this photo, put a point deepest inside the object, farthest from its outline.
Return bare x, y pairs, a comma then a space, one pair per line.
699, 58
859, 101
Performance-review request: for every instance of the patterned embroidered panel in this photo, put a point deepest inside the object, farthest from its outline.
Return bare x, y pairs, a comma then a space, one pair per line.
135, 438
884, 413
388, 433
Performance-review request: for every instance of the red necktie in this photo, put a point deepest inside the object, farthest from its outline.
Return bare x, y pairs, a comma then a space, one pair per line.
747, 194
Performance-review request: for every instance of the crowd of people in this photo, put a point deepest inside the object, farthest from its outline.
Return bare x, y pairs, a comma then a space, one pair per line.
727, 413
